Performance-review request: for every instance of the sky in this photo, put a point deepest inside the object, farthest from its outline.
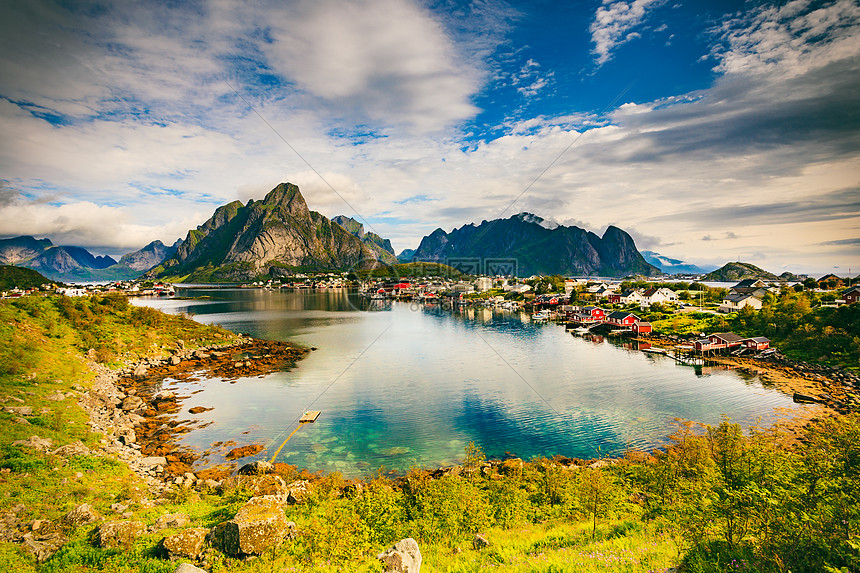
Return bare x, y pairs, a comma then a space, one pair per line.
711, 131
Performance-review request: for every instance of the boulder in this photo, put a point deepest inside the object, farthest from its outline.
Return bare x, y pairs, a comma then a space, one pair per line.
152, 461
42, 547
188, 568
298, 491
56, 397
403, 557
480, 542
19, 410
163, 396
259, 467
171, 520
133, 404
119, 533
126, 436
34, 442
175, 360
73, 449
188, 544
258, 525
139, 371
82, 515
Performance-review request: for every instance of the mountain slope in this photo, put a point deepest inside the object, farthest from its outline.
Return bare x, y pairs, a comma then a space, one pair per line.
20, 277
269, 237
537, 249
19, 249
731, 272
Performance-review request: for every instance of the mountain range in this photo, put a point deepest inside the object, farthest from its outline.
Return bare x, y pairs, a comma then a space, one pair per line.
523, 240
69, 263
280, 235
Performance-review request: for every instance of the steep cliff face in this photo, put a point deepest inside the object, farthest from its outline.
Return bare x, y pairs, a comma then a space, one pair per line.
262, 237
538, 248
382, 247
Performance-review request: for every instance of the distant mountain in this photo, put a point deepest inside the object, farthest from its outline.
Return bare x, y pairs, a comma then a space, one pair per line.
673, 266
731, 272
20, 249
536, 249
20, 277
66, 263
149, 256
405, 255
273, 237
381, 246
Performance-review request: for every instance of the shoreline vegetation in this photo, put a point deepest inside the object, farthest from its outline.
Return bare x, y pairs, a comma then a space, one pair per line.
713, 499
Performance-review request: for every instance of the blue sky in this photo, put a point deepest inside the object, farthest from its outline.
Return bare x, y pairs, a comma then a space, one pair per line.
711, 131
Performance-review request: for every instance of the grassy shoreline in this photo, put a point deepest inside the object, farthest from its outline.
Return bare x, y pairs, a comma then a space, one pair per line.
645, 512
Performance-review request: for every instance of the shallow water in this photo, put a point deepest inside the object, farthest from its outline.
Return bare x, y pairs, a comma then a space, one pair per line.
402, 385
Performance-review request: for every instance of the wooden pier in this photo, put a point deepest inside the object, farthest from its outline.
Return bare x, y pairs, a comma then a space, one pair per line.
309, 417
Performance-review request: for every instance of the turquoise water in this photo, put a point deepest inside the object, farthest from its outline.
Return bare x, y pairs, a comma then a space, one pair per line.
402, 385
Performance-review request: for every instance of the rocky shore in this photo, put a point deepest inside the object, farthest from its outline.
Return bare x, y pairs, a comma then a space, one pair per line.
833, 388
138, 417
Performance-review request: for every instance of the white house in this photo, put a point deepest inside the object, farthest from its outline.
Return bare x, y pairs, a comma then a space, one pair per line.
661, 295
483, 284
735, 302
518, 288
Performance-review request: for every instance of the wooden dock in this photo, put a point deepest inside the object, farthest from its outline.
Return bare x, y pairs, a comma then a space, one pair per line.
309, 417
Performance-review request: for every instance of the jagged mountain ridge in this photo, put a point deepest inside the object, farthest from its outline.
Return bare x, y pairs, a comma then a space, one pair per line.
381, 246
538, 249
269, 237
149, 256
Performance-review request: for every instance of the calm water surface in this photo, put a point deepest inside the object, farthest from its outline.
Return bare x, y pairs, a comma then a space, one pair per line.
402, 385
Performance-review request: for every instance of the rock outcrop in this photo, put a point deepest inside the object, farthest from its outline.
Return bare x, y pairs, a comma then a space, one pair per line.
403, 557
258, 525
121, 534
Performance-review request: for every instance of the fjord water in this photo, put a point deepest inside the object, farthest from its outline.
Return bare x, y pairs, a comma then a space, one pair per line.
402, 385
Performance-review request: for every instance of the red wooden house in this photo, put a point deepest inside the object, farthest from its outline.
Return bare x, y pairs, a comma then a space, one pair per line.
757, 343
591, 314
641, 327
621, 318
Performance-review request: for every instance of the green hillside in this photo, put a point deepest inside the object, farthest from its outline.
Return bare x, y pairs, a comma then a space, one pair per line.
20, 277
738, 271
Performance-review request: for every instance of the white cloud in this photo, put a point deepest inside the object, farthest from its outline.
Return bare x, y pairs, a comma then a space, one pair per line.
613, 22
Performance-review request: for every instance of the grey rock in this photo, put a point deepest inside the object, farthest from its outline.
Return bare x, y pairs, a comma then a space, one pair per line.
189, 568
259, 467
153, 461
480, 542
119, 533
83, 514
34, 442
42, 547
56, 397
188, 544
19, 410
258, 525
403, 557
140, 371
73, 449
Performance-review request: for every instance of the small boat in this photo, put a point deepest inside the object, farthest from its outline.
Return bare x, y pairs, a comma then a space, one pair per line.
581, 330
540, 315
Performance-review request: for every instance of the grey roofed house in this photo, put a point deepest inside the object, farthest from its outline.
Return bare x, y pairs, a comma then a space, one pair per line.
727, 337
749, 286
